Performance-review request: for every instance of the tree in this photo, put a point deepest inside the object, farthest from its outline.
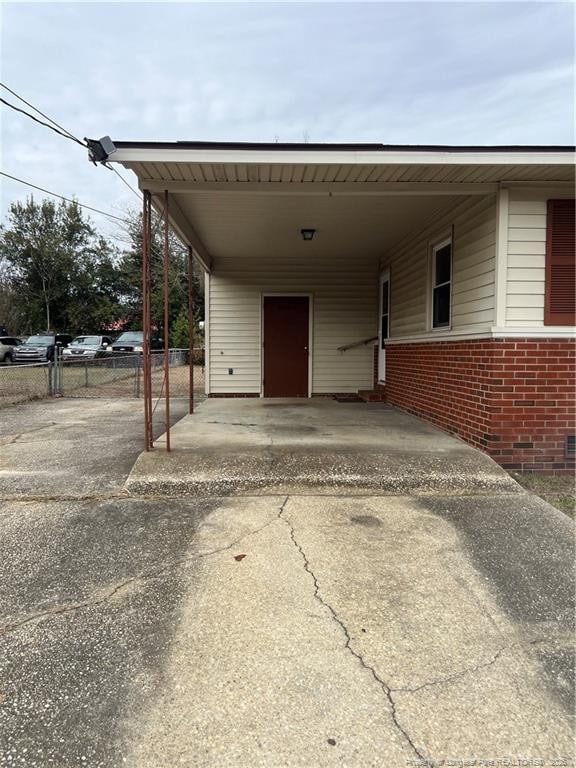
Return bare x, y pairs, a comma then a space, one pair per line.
63, 274
131, 276
180, 332
57, 272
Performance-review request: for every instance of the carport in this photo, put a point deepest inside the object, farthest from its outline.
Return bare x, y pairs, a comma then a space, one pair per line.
338, 243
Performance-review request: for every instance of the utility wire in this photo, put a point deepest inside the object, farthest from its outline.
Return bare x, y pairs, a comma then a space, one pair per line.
41, 122
155, 249
122, 179
22, 99
62, 132
67, 199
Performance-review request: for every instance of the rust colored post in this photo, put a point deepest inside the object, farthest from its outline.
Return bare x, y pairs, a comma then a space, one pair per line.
191, 327
146, 320
166, 268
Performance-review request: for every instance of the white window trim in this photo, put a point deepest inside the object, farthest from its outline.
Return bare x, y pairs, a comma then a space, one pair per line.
207, 332
384, 277
433, 247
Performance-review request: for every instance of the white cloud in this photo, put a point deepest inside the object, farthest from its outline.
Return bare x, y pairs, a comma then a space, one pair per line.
483, 73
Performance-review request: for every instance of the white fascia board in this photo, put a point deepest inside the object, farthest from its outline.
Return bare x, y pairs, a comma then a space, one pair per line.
338, 157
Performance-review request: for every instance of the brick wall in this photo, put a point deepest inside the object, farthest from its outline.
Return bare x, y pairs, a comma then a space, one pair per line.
513, 398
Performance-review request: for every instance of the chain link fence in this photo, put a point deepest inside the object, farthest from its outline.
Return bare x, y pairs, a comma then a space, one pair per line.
19, 383
118, 376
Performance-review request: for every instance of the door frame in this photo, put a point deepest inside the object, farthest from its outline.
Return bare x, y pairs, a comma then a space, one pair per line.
383, 277
280, 294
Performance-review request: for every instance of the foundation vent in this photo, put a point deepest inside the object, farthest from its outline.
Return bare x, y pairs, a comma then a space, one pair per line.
571, 446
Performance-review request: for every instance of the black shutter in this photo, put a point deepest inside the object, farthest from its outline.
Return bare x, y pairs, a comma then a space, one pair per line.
560, 290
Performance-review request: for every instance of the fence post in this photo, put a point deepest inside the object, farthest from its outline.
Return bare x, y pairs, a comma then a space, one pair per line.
60, 362
86, 374
56, 373
137, 378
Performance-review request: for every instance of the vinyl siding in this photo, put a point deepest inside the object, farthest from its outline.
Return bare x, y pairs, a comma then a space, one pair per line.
344, 310
474, 222
526, 257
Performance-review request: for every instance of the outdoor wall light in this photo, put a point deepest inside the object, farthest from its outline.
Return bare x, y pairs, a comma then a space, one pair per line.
307, 234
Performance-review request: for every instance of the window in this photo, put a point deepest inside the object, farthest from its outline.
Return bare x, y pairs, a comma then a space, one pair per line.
441, 283
560, 292
385, 310
384, 330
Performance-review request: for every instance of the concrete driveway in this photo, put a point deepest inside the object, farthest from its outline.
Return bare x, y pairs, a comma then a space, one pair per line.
281, 618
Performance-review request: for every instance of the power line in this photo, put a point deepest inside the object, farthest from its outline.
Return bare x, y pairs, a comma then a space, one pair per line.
67, 199
22, 99
62, 132
155, 249
41, 122
125, 182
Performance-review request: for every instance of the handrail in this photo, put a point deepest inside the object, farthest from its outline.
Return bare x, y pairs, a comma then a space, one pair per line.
361, 343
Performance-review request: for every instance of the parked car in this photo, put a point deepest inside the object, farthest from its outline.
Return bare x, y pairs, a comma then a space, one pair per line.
87, 347
40, 347
7, 344
130, 342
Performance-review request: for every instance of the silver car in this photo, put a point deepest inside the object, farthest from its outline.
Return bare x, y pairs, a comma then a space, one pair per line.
40, 348
7, 344
83, 347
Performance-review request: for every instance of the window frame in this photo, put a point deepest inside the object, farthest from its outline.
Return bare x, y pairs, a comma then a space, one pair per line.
434, 246
384, 277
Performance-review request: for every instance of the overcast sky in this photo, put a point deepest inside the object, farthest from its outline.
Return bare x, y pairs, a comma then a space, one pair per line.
447, 73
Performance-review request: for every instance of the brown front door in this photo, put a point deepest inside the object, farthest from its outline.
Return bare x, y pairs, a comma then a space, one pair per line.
286, 346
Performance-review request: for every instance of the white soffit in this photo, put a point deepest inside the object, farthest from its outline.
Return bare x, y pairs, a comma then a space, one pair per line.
268, 227
250, 201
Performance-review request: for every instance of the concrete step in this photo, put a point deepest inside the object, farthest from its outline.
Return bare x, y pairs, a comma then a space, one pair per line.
372, 395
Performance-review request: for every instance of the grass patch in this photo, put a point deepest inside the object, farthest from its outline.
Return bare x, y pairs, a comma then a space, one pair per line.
557, 490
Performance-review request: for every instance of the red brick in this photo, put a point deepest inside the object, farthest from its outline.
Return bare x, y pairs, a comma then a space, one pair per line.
492, 394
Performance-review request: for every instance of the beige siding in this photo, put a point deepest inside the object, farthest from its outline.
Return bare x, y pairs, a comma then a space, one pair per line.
526, 257
474, 222
344, 310
526, 254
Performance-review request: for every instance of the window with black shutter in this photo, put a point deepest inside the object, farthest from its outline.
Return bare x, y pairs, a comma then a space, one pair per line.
560, 285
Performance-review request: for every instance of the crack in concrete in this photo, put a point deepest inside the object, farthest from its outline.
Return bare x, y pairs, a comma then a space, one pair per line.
59, 610
15, 438
348, 644
472, 669
144, 576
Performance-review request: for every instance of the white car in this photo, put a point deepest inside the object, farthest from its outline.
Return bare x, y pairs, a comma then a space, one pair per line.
7, 344
86, 347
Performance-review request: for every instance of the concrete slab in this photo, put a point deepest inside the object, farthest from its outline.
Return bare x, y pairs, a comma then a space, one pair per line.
281, 631
311, 446
72, 447
301, 630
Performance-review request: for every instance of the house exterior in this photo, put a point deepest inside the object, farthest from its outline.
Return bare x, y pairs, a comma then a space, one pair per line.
437, 279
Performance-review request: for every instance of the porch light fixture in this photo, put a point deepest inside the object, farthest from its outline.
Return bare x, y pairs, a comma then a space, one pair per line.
307, 234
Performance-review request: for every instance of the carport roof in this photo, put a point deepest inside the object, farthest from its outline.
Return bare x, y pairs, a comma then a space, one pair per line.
346, 147
214, 187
